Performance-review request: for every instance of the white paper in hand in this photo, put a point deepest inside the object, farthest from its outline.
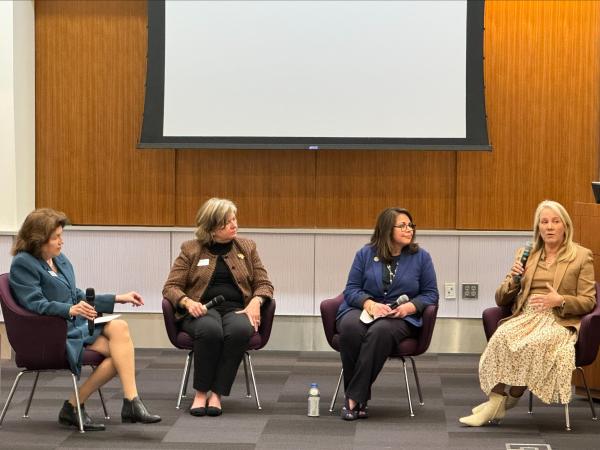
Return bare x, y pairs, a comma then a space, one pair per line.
107, 318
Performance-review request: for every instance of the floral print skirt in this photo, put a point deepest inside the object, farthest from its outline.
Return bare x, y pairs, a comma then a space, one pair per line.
531, 350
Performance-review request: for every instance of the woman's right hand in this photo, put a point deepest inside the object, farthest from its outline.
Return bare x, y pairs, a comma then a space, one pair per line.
83, 309
376, 309
517, 269
196, 309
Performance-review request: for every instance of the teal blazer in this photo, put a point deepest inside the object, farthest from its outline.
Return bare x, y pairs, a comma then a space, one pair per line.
38, 289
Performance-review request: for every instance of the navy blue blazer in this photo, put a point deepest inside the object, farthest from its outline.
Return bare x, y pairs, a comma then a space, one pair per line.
38, 289
415, 277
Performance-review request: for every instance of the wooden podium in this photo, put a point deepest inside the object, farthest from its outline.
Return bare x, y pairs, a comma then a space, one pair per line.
586, 223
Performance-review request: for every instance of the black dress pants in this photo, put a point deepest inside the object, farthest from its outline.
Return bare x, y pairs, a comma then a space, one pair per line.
365, 348
219, 346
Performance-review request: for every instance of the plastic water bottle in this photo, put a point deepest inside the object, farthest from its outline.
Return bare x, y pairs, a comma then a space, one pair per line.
314, 397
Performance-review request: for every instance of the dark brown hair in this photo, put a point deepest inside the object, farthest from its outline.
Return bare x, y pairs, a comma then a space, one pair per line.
381, 240
37, 230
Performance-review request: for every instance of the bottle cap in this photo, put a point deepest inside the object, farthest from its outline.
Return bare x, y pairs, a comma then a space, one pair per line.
314, 385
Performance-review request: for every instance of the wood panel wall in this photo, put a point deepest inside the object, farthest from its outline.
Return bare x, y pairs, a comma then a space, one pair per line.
542, 95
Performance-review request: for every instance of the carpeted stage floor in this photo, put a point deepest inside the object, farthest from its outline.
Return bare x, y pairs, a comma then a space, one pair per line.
449, 383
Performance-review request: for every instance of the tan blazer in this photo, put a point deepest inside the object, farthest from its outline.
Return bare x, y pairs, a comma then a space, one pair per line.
574, 280
188, 279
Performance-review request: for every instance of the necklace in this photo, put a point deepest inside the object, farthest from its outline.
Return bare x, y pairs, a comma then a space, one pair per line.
392, 270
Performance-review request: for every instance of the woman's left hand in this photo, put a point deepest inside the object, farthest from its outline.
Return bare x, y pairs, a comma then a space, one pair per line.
403, 310
252, 310
130, 297
541, 302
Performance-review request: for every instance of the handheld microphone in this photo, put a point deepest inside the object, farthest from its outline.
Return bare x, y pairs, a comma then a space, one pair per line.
400, 301
90, 298
214, 302
524, 258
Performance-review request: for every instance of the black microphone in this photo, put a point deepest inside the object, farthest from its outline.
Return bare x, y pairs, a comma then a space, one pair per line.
90, 298
400, 301
214, 302
524, 258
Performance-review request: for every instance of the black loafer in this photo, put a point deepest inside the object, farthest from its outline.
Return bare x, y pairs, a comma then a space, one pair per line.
68, 417
198, 412
213, 411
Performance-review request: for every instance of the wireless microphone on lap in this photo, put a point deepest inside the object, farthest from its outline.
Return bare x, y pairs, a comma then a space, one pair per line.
90, 298
214, 302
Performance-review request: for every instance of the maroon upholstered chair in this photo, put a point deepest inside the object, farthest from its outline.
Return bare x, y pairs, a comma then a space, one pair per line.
586, 347
180, 339
408, 348
39, 343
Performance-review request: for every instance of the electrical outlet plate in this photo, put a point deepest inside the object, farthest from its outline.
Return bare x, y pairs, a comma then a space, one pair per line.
470, 291
450, 291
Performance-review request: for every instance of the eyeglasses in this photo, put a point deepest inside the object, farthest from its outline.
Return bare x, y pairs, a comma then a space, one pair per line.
406, 226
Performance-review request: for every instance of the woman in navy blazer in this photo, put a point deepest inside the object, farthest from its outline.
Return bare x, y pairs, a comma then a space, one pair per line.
391, 266
43, 281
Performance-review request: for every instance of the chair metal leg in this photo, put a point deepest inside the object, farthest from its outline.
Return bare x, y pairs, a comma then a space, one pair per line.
26, 415
106, 416
567, 421
184, 379
589, 395
337, 390
530, 411
79, 416
253, 380
410, 407
10, 395
417, 381
246, 375
187, 375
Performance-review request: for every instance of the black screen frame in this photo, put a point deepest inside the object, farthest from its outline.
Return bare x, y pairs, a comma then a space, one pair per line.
476, 119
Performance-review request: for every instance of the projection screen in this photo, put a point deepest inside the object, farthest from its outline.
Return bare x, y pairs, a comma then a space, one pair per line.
315, 74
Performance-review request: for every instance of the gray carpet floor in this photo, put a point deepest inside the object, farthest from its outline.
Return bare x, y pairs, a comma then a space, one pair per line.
450, 389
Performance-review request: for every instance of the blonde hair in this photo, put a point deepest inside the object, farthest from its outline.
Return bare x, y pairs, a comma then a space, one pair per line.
211, 216
37, 229
568, 246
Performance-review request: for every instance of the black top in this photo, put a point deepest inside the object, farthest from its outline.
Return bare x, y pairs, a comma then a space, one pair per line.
222, 282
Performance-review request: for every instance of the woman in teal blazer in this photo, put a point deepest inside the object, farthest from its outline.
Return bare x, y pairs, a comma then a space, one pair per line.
43, 281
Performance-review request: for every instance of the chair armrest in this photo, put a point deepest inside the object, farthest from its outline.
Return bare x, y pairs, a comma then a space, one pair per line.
267, 314
170, 322
491, 317
39, 341
588, 340
329, 310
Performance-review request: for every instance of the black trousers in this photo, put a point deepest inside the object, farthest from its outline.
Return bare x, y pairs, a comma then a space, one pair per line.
365, 348
219, 346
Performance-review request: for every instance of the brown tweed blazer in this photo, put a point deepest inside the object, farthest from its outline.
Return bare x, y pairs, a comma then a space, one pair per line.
187, 278
574, 280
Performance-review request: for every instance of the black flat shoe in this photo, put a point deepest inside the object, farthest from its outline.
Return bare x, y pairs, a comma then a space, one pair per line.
213, 411
68, 417
198, 412
347, 413
135, 411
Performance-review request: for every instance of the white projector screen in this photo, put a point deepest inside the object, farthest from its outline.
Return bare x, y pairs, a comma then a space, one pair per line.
311, 74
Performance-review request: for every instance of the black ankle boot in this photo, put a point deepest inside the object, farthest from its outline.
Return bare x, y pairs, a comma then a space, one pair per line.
134, 411
68, 416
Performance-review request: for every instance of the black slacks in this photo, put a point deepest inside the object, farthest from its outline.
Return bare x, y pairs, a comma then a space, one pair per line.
219, 346
365, 348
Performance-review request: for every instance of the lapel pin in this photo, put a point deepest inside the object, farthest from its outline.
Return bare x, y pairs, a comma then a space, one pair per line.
376, 259
239, 255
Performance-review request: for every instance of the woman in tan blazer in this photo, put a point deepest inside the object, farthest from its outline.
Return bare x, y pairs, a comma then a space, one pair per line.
534, 348
217, 263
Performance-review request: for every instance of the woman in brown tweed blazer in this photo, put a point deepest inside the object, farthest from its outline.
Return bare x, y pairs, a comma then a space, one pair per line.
216, 263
